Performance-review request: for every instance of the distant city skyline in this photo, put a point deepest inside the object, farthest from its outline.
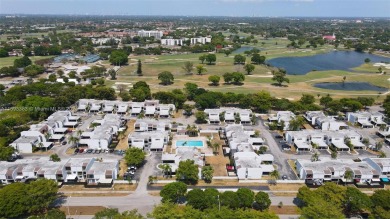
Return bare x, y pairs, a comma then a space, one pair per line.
257, 8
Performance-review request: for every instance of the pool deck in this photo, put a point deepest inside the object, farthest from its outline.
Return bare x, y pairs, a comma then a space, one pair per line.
203, 149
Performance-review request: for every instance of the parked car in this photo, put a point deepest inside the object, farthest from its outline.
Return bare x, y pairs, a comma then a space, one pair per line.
64, 143
76, 151
111, 150
95, 151
284, 177
131, 168
89, 151
106, 151
98, 151
81, 150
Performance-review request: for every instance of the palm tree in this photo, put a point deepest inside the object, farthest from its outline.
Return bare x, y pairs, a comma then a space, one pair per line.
167, 170
348, 175
40, 145
47, 136
74, 140
275, 175
207, 173
315, 157
215, 147
79, 132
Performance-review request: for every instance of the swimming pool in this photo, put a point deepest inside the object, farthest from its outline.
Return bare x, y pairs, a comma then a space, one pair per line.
189, 143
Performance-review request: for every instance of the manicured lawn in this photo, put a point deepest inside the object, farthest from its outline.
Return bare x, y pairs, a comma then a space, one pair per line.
9, 61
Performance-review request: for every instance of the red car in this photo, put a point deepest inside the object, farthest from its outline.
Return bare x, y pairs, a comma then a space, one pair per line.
81, 150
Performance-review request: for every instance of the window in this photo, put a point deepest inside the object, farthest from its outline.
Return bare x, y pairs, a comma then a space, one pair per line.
108, 176
67, 168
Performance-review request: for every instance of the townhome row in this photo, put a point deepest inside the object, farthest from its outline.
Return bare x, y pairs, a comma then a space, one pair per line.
368, 171
43, 135
326, 123
229, 115
305, 140
103, 132
182, 41
366, 119
282, 118
242, 145
149, 108
73, 170
150, 134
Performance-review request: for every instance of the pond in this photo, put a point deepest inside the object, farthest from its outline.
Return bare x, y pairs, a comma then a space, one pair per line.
349, 86
242, 49
336, 60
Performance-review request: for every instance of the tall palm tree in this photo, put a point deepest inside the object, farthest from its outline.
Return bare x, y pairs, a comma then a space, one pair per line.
315, 157
47, 136
348, 175
275, 175
74, 140
167, 169
79, 132
40, 145
215, 147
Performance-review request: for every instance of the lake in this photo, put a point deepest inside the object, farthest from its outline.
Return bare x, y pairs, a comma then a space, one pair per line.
242, 49
349, 86
336, 60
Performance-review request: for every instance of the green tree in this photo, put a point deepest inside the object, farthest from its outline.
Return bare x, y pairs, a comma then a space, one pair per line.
113, 213
118, 57
188, 67
207, 173
228, 77
348, 175
200, 69
262, 201
214, 79
249, 68
230, 199
167, 169
239, 59
211, 58
227, 52
381, 198
202, 58
3, 53
356, 202
139, 68
197, 199
55, 158
187, 172
200, 117
280, 77
258, 59
246, 197
22, 62
173, 192
238, 77
296, 123
134, 156
307, 99
326, 100
33, 70
52, 78
188, 109
41, 194
321, 209
166, 77
275, 175
367, 60
112, 74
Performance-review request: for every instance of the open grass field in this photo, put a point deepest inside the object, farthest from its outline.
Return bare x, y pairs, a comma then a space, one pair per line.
261, 77
8, 61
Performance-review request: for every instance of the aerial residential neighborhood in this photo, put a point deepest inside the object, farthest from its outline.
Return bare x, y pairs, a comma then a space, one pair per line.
225, 109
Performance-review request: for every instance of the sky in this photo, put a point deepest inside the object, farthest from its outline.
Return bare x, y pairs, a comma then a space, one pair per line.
258, 8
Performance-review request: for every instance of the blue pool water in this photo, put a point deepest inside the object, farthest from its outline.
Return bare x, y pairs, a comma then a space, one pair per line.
189, 143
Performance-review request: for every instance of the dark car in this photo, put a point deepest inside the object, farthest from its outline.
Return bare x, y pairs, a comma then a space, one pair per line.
278, 136
64, 143
111, 150
76, 151
284, 177
89, 151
